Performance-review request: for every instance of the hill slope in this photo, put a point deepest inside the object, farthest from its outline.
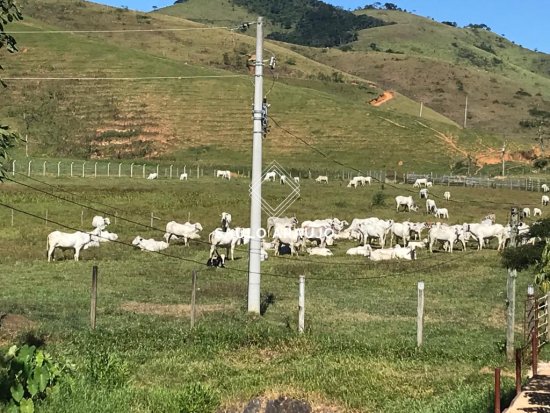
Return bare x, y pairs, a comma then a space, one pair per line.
434, 63
201, 114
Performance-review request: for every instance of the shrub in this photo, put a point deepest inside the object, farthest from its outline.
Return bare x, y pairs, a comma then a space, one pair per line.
378, 199
28, 375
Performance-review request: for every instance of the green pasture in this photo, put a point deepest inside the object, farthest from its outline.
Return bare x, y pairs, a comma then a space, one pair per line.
358, 353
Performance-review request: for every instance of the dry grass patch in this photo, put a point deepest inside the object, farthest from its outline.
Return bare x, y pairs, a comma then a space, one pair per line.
173, 310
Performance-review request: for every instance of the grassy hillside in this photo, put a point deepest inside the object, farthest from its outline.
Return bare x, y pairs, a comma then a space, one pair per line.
199, 119
440, 65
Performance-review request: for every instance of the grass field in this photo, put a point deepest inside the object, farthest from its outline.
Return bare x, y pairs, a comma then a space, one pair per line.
358, 353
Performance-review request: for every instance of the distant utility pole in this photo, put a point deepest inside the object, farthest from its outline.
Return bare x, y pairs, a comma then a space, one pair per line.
503, 151
254, 251
466, 112
511, 288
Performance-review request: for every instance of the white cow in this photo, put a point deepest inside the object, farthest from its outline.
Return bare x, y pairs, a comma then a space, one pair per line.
100, 222
545, 188
417, 245
187, 231
291, 237
63, 240
431, 207
322, 179
149, 244
153, 175
447, 195
406, 201
359, 180
183, 176
429, 184
423, 193
442, 233
362, 250
282, 179
526, 212
442, 213
226, 220
270, 176
545, 200
483, 231
99, 237
376, 230
284, 222
537, 212
398, 252
223, 174
402, 231
228, 240
297, 179
322, 234
416, 228
404, 253
419, 182
321, 251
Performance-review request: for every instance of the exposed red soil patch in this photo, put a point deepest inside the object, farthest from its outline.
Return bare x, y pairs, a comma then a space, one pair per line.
383, 98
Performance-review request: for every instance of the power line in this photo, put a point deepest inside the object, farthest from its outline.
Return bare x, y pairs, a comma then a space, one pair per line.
119, 30
123, 78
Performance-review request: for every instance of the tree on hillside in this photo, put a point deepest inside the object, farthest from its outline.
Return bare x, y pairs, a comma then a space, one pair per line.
391, 6
8, 13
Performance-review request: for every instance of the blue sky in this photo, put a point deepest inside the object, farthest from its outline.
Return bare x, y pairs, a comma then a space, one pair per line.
525, 22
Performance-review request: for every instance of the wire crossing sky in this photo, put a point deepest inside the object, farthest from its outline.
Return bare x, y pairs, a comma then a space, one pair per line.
525, 22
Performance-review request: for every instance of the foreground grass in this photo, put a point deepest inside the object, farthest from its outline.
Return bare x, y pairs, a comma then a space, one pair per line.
359, 350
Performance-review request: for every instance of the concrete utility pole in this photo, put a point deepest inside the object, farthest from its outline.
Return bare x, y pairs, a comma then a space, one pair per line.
256, 181
466, 112
511, 288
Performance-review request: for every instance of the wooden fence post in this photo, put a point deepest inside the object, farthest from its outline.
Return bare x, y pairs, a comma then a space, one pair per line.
535, 338
132, 170
108, 169
72, 163
44, 168
95, 170
93, 306
193, 297
29, 168
83, 169
143, 170
420, 314
171, 166
518, 371
301, 304
119, 169
58, 169
497, 390
13, 168
548, 317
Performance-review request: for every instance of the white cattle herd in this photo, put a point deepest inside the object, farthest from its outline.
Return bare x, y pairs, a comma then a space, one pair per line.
314, 237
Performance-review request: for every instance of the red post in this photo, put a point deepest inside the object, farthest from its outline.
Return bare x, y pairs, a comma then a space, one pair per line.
497, 390
518, 371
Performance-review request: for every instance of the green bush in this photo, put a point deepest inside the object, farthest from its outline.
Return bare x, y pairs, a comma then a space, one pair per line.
27, 375
378, 199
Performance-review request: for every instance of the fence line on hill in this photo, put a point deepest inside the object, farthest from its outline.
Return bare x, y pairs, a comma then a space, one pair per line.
117, 169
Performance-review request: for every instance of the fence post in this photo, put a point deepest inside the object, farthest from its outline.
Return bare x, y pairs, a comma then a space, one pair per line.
193, 296
12, 217
58, 169
143, 170
93, 306
198, 172
158, 169
301, 304
29, 168
420, 314
83, 169
119, 169
510, 312
108, 169
518, 371
548, 317
171, 166
95, 170
72, 163
82, 218
535, 338
132, 170
497, 390
13, 168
